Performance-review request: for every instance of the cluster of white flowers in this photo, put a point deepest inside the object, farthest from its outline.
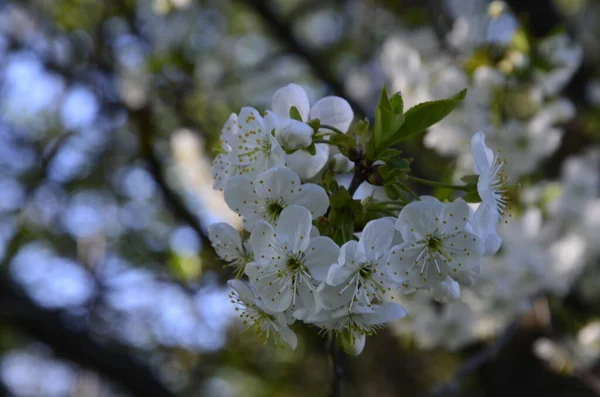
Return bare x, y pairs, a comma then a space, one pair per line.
551, 246
515, 101
287, 271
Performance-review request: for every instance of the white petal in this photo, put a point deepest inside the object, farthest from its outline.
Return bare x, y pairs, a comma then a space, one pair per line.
263, 241
333, 111
294, 228
446, 291
376, 238
277, 157
288, 96
322, 252
270, 287
310, 196
243, 291
348, 262
307, 165
250, 120
221, 170
455, 216
276, 183
384, 313
419, 218
230, 128
240, 196
467, 276
287, 335
483, 157
338, 274
225, 240
331, 297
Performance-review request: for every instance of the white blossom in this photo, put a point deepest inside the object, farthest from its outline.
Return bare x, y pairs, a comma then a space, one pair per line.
230, 246
288, 262
254, 314
439, 243
270, 193
254, 149
362, 270
331, 111
352, 323
222, 168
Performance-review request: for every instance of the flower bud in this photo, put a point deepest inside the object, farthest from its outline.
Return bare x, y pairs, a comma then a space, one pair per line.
351, 342
294, 134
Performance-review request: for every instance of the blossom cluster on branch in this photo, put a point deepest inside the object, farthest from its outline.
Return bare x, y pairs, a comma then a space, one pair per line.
311, 252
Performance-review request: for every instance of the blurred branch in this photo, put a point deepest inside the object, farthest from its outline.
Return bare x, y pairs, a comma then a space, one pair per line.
476, 361
337, 366
283, 31
143, 117
48, 326
441, 24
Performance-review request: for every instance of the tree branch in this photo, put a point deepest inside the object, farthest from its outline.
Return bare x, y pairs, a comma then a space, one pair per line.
48, 326
477, 361
337, 367
282, 31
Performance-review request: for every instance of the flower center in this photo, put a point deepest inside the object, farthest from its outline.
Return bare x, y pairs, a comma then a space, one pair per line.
365, 271
294, 264
434, 243
274, 209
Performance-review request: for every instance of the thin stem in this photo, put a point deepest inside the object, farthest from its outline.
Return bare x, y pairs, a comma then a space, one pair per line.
357, 179
409, 191
337, 367
436, 184
331, 128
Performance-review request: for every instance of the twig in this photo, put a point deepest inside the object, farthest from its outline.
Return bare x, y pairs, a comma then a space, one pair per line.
440, 22
48, 327
476, 361
337, 367
143, 117
281, 30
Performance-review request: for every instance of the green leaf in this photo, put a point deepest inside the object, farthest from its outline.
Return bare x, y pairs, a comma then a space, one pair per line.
392, 158
392, 191
389, 118
344, 142
312, 149
472, 197
423, 116
295, 114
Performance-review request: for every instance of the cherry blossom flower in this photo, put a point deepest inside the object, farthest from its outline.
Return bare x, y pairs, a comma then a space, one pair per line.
254, 314
270, 193
288, 262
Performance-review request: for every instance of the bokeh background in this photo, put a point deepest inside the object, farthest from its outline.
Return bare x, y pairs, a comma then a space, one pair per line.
108, 114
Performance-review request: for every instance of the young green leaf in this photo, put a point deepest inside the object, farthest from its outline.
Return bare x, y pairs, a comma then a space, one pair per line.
423, 116
389, 118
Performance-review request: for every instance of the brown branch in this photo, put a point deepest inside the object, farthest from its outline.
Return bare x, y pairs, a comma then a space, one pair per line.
476, 361
81, 347
281, 30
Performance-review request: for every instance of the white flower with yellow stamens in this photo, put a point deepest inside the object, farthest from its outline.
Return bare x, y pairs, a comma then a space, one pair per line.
254, 314
362, 271
438, 243
230, 246
270, 193
254, 148
289, 264
491, 187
